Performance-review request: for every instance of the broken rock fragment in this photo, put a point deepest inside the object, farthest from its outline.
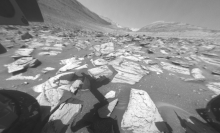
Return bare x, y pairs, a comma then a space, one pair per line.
110, 94
26, 36
102, 71
106, 110
22, 64
174, 68
22, 52
141, 115
197, 74
62, 117
21, 77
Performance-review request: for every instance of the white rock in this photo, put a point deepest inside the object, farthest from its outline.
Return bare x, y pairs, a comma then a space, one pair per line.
155, 68
21, 77
100, 62
106, 110
23, 52
52, 53
141, 114
100, 71
110, 94
214, 86
174, 68
197, 73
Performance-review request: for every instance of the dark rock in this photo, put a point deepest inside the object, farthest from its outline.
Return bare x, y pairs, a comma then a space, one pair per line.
26, 36
2, 49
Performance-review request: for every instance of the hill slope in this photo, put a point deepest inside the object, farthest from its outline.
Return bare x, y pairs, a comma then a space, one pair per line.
71, 14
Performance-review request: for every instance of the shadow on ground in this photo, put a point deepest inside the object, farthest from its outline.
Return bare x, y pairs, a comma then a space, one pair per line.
91, 120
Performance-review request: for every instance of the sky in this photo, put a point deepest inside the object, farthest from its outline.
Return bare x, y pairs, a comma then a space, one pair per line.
139, 13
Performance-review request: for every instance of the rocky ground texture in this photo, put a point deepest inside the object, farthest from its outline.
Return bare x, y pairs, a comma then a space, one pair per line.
84, 80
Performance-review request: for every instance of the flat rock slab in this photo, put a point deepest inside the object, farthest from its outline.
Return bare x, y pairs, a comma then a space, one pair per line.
174, 68
22, 52
21, 64
22, 77
102, 71
197, 74
141, 114
106, 110
61, 118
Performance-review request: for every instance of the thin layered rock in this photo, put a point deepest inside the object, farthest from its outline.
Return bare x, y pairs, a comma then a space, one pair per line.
105, 111
22, 64
128, 72
98, 72
212, 61
141, 115
174, 68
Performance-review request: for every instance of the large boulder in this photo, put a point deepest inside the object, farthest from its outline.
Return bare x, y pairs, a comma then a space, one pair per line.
141, 115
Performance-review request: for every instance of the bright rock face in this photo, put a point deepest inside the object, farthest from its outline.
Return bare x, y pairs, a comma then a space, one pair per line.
141, 114
197, 73
101, 71
106, 110
176, 69
128, 72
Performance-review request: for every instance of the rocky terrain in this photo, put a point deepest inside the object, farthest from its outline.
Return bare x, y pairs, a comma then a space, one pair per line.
110, 77
87, 78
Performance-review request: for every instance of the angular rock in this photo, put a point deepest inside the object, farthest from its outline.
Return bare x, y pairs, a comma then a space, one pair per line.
102, 71
174, 68
69, 64
141, 115
26, 36
2, 49
106, 110
110, 94
22, 52
182, 63
22, 64
62, 117
107, 48
155, 68
197, 74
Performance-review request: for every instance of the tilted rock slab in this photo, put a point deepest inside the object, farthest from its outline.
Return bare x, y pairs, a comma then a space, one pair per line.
62, 117
174, 68
197, 73
128, 72
21, 64
98, 72
141, 114
105, 111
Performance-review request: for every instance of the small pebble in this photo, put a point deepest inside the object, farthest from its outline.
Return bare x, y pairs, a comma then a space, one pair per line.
25, 83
